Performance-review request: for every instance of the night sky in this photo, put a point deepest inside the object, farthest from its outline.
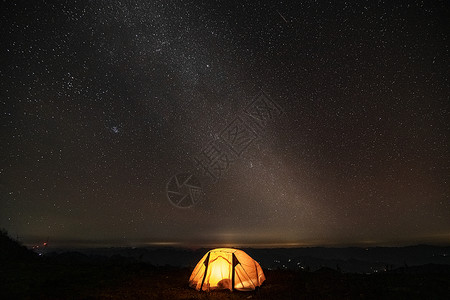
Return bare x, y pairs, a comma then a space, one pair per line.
103, 102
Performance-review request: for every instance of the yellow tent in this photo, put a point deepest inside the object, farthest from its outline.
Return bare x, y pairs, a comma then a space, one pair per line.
226, 268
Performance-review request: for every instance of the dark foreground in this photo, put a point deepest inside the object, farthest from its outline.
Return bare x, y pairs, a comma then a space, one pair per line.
26, 275
118, 280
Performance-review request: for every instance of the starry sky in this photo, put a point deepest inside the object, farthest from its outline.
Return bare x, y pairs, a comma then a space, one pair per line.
103, 102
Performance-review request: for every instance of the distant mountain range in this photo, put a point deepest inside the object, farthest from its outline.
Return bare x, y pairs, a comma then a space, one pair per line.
351, 259
346, 260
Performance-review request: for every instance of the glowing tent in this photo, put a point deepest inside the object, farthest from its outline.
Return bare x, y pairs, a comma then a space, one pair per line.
226, 268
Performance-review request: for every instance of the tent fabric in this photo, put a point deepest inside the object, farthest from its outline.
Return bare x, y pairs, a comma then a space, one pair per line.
219, 268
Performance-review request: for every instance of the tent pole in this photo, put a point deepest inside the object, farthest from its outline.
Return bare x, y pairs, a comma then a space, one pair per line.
234, 263
206, 262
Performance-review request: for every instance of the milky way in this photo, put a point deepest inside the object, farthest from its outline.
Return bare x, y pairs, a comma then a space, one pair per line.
104, 101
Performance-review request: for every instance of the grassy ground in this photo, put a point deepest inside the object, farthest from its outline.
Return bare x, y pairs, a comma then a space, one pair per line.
116, 280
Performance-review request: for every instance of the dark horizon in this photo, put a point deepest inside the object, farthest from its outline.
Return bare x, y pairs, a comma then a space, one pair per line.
74, 244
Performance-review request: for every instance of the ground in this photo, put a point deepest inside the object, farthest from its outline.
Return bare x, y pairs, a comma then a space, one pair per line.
72, 275
118, 280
